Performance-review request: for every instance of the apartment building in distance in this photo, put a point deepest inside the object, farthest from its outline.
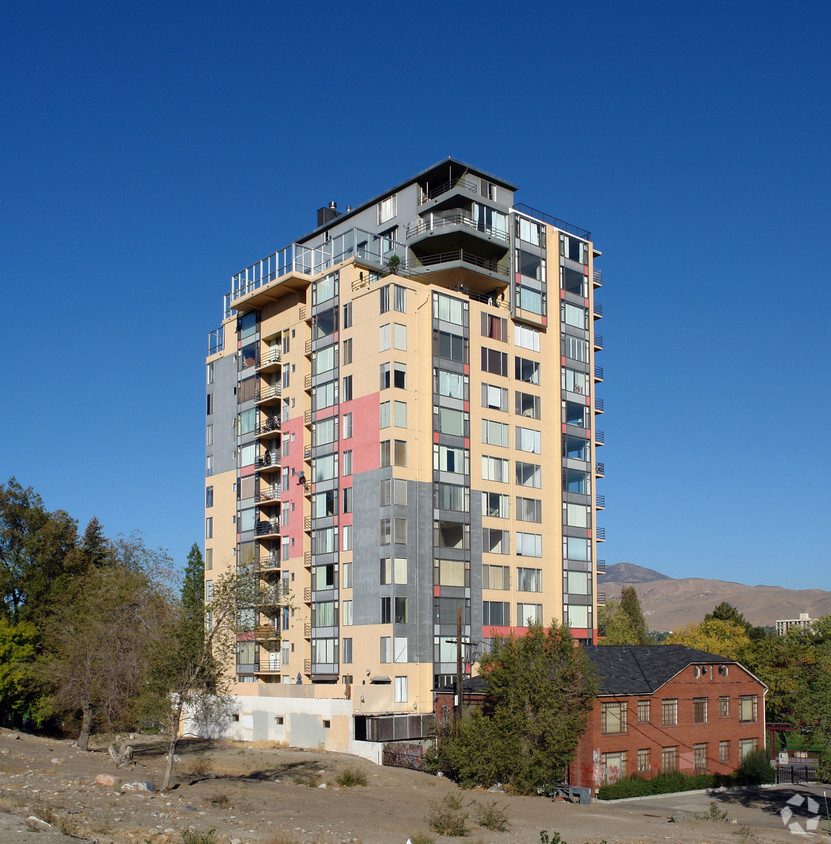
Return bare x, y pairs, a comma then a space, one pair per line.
401, 424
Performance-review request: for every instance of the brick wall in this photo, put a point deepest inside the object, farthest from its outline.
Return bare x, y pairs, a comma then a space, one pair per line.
694, 682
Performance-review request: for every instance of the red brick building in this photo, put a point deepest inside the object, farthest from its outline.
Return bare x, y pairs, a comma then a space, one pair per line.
668, 708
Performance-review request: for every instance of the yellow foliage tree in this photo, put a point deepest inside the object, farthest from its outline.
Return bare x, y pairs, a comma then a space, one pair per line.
725, 638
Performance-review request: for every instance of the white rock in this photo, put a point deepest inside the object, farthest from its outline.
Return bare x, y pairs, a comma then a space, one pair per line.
37, 823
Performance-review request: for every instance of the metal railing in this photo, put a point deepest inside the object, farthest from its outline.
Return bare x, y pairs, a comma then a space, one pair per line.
272, 356
598, 341
600, 534
414, 230
465, 257
562, 225
216, 341
269, 563
269, 494
599, 437
270, 459
598, 278
432, 193
267, 527
598, 309
598, 373
601, 566
600, 470
271, 424
600, 501
599, 406
261, 394
601, 599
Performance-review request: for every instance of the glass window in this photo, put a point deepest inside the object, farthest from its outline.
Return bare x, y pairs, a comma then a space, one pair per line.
578, 583
401, 695
451, 534
495, 398
450, 573
700, 757
385, 338
669, 759
450, 384
400, 527
400, 453
384, 414
449, 309
527, 405
400, 414
347, 315
494, 361
576, 348
530, 265
577, 548
450, 346
574, 316
528, 440
724, 707
669, 713
346, 433
449, 459
495, 505
529, 299
747, 708
724, 751
496, 614
529, 544
324, 359
529, 509
529, 580
612, 718
526, 370
700, 710
494, 327
453, 422
347, 462
448, 610
399, 570
494, 433
746, 746
386, 649
496, 577
528, 614
247, 421
346, 652
399, 376
387, 208
528, 474
643, 711
495, 541
575, 382
495, 469
209, 497
400, 299
526, 337
325, 431
450, 496
399, 487
399, 337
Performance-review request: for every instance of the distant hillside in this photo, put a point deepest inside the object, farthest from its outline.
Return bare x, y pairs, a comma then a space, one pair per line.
671, 604
629, 573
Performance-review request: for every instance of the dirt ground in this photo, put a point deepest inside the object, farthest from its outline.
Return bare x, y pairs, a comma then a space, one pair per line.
252, 794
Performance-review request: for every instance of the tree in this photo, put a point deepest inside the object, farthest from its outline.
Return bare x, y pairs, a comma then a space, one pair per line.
193, 593
98, 641
189, 676
622, 622
33, 547
724, 638
539, 689
94, 548
18, 644
727, 612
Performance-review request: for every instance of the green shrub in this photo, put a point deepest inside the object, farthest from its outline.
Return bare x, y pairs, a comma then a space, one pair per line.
713, 813
190, 836
756, 769
638, 786
422, 838
447, 817
490, 816
350, 777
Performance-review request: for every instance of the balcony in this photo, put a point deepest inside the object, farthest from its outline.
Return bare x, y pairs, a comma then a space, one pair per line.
598, 374
453, 224
597, 310
428, 194
307, 524
268, 428
562, 225
600, 534
268, 395
270, 360
454, 260
600, 502
307, 382
268, 528
269, 495
271, 599
598, 342
600, 567
269, 461
600, 470
601, 599
273, 666
599, 406
307, 630
599, 437
597, 278
269, 565
267, 634
307, 594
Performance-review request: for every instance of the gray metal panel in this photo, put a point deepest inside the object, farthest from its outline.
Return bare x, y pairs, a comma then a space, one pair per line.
476, 568
366, 546
223, 418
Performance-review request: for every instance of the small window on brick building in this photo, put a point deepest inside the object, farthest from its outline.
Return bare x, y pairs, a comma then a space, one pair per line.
724, 707
612, 718
700, 710
746, 746
700, 757
643, 711
724, 751
669, 713
747, 709
613, 767
644, 764
669, 759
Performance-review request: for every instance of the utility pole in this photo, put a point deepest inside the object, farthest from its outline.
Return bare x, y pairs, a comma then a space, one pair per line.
459, 642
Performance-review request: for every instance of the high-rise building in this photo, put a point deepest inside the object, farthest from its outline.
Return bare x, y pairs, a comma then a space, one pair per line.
400, 426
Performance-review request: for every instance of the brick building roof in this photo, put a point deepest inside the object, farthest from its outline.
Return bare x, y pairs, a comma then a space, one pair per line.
642, 669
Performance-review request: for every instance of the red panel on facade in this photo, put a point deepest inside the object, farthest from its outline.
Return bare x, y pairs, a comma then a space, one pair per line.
365, 441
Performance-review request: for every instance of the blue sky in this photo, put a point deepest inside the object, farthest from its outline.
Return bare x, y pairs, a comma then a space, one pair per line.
150, 151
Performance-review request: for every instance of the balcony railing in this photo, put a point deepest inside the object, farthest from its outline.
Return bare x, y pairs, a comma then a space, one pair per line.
266, 633
600, 502
598, 309
269, 426
599, 437
264, 393
601, 599
438, 223
598, 278
599, 406
269, 460
562, 225
600, 534
307, 594
601, 566
268, 527
600, 470
598, 341
598, 373
268, 494
270, 563
216, 341
468, 184
464, 257
272, 356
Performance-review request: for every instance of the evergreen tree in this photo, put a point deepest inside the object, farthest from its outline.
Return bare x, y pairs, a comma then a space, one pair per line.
539, 688
631, 605
95, 549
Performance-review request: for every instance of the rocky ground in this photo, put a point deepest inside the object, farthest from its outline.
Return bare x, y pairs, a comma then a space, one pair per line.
251, 794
